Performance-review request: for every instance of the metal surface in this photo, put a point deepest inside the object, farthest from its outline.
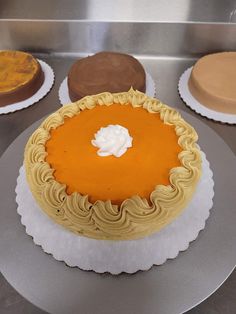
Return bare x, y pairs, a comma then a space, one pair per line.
121, 10
172, 288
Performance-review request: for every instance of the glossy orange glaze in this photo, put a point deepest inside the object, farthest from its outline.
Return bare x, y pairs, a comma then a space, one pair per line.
17, 68
137, 172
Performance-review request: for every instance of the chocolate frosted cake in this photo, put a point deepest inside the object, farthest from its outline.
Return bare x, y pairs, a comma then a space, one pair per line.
105, 71
21, 76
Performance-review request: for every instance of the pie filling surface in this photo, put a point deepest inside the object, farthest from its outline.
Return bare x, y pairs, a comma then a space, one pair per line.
147, 163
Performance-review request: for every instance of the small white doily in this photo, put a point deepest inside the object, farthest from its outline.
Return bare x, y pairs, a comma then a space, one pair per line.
116, 256
43, 90
197, 106
65, 98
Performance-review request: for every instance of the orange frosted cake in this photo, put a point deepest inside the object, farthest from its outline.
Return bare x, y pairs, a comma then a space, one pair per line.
212, 81
113, 166
21, 76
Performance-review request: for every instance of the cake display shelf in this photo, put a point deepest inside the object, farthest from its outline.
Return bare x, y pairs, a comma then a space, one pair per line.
174, 287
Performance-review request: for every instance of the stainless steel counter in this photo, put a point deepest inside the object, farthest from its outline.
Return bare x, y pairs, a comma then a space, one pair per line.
166, 49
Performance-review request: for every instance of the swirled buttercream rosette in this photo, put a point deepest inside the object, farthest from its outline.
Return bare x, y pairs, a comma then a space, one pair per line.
136, 217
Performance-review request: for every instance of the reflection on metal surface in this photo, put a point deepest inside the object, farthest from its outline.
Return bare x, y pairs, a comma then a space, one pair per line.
149, 39
232, 16
119, 10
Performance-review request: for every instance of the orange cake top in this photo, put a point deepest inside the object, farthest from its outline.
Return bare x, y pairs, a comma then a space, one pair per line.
147, 163
17, 68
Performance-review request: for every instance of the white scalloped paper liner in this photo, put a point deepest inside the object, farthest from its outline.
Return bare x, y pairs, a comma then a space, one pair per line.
44, 89
191, 102
64, 97
116, 256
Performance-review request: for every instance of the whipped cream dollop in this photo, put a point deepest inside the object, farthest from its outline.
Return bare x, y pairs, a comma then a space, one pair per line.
112, 140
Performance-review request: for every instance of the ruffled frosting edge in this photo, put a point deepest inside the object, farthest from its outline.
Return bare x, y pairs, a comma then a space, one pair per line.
135, 217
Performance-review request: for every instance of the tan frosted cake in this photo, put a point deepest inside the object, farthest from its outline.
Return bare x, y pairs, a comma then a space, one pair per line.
21, 76
213, 81
113, 166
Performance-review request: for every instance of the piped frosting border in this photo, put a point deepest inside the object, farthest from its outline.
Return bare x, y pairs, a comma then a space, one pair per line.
135, 217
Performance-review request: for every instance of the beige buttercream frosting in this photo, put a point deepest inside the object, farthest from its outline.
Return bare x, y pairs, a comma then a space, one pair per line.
136, 217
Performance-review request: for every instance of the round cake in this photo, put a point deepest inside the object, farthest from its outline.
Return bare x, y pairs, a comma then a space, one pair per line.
212, 81
93, 189
105, 72
21, 76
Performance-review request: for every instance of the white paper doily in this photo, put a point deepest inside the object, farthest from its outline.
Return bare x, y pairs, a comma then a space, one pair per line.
197, 106
116, 256
44, 89
65, 98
